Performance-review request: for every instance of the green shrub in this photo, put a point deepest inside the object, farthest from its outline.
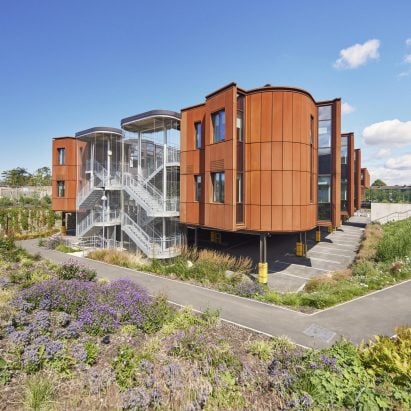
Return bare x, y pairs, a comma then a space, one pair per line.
157, 314
389, 357
72, 270
262, 349
125, 365
92, 351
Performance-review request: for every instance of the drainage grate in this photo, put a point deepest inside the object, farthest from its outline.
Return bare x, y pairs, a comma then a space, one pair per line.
316, 331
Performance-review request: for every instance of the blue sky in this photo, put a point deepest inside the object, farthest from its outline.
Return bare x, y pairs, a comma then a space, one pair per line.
73, 64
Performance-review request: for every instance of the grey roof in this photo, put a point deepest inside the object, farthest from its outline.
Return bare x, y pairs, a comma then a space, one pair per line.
151, 113
107, 130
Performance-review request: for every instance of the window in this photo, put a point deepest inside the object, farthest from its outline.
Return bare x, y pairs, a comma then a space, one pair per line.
197, 181
60, 189
61, 154
239, 188
218, 119
239, 126
311, 158
218, 187
198, 134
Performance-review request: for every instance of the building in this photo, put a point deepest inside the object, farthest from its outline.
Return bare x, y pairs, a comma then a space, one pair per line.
266, 160
260, 161
120, 187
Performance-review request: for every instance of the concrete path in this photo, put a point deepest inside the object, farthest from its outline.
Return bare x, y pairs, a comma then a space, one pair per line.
361, 319
336, 251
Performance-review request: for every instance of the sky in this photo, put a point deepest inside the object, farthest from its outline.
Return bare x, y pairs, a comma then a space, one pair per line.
69, 65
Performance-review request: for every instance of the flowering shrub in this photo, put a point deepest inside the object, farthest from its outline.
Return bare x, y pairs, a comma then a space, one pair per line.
99, 308
72, 270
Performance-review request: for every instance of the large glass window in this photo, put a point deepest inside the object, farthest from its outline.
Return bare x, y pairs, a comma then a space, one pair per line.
218, 187
197, 181
311, 158
60, 188
61, 154
239, 188
324, 161
344, 173
218, 120
240, 125
199, 136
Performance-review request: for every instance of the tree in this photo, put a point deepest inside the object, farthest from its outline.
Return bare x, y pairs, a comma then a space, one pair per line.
16, 177
41, 177
378, 183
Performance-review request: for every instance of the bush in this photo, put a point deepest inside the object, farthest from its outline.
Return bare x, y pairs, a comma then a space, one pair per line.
72, 270
389, 357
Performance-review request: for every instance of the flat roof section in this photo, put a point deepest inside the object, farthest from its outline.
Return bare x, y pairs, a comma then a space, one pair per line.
99, 130
144, 120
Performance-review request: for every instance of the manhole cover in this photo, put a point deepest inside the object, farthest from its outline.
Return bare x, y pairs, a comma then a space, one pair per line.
316, 331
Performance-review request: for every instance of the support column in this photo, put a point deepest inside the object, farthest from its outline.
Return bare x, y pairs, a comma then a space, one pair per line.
262, 265
196, 237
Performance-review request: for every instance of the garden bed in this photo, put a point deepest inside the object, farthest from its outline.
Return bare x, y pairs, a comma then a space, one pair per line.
384, 259
71, 342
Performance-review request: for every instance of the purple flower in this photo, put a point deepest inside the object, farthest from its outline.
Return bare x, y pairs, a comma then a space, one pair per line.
42, 320
79, 352
136, 399
20, 338
63, 319
30, 359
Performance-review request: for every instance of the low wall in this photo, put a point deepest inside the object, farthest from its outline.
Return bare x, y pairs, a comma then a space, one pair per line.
379, 210
29, 191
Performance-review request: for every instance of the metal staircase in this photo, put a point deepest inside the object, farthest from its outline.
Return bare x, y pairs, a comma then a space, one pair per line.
154, 246
149, 197
97, 219
92, 191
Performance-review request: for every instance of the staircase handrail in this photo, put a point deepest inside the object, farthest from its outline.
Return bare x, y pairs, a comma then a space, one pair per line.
390, 217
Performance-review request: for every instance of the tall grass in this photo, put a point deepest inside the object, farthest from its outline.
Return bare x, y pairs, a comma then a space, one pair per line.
396, 241
39, 393
120, 258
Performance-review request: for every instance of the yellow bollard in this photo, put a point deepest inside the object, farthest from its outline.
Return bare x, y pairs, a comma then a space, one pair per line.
262, 273
330, 229
318, 236
299, 249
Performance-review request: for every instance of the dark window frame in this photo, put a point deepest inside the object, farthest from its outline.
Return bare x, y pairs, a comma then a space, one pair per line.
218, 129
198, 134
218, 180
198, 188
61, 155
61, 188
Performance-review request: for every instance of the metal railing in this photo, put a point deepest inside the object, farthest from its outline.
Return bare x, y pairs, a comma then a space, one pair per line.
396, 216
95, 217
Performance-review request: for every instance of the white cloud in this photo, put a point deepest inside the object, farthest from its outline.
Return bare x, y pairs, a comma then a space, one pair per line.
404, 73
408, 42
407, 58
347, 108
390, 132
390, 176
399, 163
383, 152
358, 54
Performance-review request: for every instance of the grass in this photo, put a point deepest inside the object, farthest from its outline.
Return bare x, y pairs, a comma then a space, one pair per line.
205, 267
66, 249
39, 393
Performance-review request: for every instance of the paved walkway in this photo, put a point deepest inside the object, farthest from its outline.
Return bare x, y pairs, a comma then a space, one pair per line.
377, 313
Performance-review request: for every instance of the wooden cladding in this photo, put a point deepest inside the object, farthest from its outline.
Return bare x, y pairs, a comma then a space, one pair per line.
217, 165
66, 172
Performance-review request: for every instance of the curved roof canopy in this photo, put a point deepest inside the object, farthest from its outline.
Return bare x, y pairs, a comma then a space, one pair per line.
148, 119
99, 130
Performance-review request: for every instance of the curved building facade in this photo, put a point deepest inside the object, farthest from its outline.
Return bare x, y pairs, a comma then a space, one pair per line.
261, 160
